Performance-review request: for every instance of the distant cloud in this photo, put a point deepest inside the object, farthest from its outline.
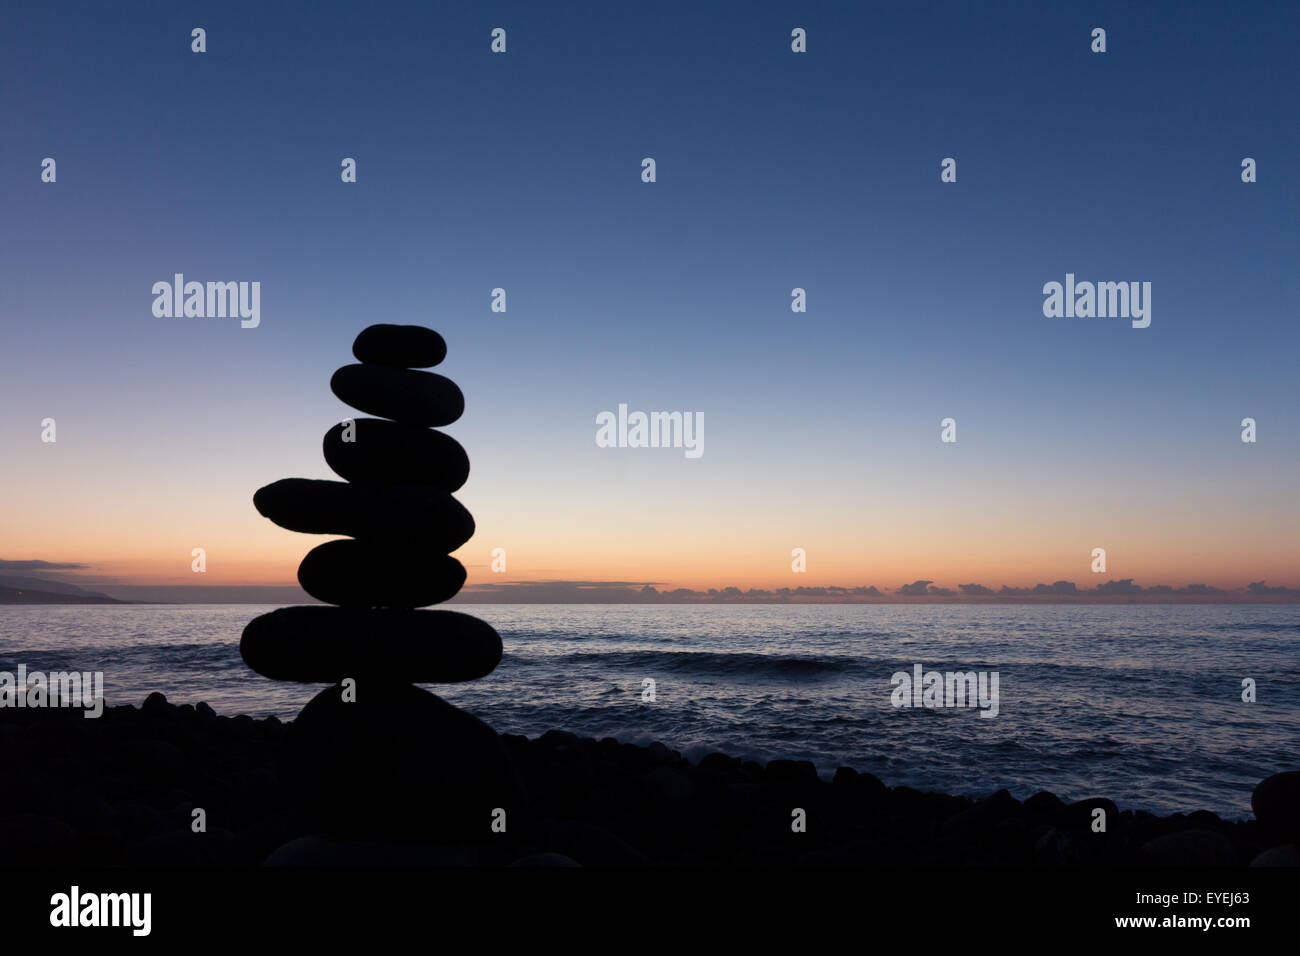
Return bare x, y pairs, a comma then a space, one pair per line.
1057, 587
1203, 590
915, 589
643, 592
1259, 587
40, 566
563, 592
1124, 586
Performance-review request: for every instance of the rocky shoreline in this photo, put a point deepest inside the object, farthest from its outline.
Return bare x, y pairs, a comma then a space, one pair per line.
122, 790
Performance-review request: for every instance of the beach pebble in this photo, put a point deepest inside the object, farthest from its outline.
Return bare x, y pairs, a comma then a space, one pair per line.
1204, 819
25, 832
1286, 855
830, 858
1054, 848
545, 860
399, 346
390, 453
662, 754
1043, 803
589, 845
1191, 848
1001, 800
982, 815
337, 507
180, 848
714, 762
316, 644
416, 398
356, 573
861, 787
321, 851
1012, 830
1276, 802
668, 784
560, 740
792, 771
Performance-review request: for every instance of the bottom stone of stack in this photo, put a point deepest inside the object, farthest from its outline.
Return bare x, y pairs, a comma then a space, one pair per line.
401, 763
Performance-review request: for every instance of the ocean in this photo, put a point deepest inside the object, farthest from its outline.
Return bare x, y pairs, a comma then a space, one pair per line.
1141, 704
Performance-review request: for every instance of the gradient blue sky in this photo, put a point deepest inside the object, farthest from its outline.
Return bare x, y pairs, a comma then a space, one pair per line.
775, 170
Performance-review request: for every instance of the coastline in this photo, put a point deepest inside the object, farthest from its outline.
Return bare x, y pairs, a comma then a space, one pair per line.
122, 790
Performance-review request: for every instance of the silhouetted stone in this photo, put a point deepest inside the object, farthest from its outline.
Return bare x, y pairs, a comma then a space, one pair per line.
27, 834
417, 512
379, 574
546, 860
1204, 820
589, 845
416, 398
1044, 803
793, 771
1288, 854
326, 644
390, 453
1276, 802
668, 784
861, 787
983, 815
399, 761
1191, 848
319, 851
400, 346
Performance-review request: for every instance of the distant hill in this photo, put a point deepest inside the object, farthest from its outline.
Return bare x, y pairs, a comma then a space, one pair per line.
47, 585
10, 595
209, 594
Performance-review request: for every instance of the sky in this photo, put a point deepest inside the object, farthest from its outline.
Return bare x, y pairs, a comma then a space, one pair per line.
775, 170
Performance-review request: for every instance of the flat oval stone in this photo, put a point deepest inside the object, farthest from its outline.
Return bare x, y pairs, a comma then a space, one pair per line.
356, 573
417, 512
390, 453
399, 346
314, 644
404, 395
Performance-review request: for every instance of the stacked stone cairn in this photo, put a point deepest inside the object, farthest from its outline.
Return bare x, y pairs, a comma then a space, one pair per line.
374, 756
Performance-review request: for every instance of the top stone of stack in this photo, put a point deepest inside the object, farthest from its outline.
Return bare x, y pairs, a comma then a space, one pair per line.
399, 346
388, 384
